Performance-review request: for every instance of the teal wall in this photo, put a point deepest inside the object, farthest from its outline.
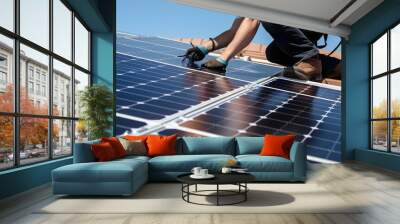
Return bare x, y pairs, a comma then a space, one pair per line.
99, 16
103, 63
355, 112
24, 178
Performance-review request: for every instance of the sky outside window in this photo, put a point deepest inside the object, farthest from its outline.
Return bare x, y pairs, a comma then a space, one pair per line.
7, 14
379, 56
62, 29
395, 47
166, 19
35, 21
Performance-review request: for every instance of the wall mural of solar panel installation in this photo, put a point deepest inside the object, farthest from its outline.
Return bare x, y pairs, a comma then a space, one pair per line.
156, 93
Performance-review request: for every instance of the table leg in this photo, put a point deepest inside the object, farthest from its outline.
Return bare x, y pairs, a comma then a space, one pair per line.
217, 194
245, 193
188, 189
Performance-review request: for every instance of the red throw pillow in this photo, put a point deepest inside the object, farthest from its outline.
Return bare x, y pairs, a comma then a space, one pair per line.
116, 145
103, 152
161, 145
277, 145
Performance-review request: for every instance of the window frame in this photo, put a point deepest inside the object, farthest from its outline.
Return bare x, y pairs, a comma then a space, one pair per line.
16, 114
388, 74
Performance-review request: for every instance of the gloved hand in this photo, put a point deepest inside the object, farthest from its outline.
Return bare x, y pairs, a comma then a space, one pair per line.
216, 65
195, 53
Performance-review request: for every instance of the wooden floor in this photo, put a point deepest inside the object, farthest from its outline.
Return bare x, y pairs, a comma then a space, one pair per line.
377, 188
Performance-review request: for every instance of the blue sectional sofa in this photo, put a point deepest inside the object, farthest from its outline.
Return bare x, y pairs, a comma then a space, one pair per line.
125, 176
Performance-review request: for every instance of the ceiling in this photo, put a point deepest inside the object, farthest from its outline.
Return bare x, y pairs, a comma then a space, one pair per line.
327, 16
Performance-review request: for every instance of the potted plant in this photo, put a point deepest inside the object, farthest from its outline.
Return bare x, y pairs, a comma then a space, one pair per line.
97, 104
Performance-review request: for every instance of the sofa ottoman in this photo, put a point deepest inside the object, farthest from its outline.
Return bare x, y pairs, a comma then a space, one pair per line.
118, 177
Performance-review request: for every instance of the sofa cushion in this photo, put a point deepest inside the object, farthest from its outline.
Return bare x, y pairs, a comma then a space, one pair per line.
185, 163
207, 145
116, 145
277, 145
134, 147
103, 152
257, 163
112, 171
161, 145
249, 145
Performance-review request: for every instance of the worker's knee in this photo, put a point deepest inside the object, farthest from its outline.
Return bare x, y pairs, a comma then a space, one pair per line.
273, 59
251, 21
272, 55
275, 55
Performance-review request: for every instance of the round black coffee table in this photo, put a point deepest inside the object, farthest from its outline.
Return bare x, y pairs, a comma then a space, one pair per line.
238, 179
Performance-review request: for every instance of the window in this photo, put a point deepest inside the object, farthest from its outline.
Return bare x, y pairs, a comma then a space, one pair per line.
37, 89
3, 72
81, 82
6, 142
3, 78
37, 74
7, 14
62, 74
30, 72
385, 95
81, 45
30, 87
62, 137
35, 21
6, 74
44, 91
62, 29
47, 76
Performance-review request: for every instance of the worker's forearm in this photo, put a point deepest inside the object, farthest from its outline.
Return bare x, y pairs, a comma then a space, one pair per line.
242, 38
221, 40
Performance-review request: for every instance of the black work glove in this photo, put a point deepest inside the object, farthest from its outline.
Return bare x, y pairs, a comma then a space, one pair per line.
194, 54
215, 65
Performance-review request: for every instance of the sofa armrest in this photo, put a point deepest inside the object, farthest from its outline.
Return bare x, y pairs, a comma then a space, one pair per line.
83, 152
298, 156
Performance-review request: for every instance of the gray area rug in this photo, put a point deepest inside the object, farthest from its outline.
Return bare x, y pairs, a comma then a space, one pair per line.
166, 198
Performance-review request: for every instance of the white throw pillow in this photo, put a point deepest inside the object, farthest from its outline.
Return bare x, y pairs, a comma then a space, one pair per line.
137, 148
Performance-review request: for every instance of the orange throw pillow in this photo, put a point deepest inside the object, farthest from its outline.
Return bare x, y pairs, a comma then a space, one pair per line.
161, 145
277, 145
116, 145
103, 152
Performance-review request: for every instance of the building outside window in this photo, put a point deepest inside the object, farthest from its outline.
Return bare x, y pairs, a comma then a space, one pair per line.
38, 89
34, 74
30, 87
3, 72
30, 72
385, 94
44, 77
37, 74
44, 91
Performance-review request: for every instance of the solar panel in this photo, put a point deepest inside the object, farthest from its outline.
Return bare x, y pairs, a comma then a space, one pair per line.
157, 94
315, 121
153, 91
166, 51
